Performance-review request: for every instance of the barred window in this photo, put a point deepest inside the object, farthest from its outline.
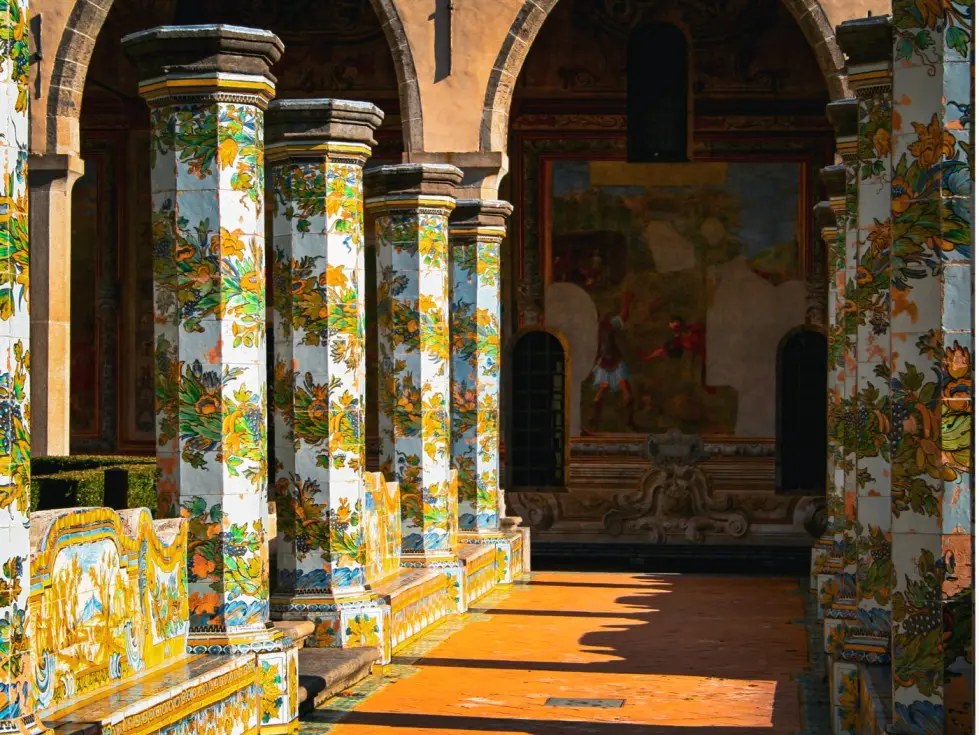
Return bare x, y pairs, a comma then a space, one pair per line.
536, 445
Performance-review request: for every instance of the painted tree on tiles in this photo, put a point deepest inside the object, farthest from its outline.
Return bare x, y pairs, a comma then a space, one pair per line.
205, 136
932, 431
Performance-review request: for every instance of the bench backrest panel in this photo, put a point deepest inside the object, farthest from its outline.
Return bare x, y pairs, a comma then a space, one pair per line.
383, 527
108, 599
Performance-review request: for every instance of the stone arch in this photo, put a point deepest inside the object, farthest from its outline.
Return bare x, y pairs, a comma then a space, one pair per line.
64, 104
809, 14
409, 96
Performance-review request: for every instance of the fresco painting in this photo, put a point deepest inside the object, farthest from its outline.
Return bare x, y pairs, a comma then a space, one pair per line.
648, 245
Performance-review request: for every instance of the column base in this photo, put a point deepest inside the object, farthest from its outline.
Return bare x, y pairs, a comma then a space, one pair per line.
451, 565
237, 643
820, 559
512, 562
277, 669
289, 729
339, 621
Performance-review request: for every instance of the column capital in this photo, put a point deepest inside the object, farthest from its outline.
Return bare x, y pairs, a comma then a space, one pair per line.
45, 168
412, 185
834, 181
868, 44
317, 127
479, 217
825, 217
481, 170
844, 117
221, 63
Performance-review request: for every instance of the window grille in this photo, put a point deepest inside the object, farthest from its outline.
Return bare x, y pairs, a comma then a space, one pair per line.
536, 446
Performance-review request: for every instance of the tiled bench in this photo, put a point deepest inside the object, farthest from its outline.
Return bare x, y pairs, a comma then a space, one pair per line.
109, 600
198, 692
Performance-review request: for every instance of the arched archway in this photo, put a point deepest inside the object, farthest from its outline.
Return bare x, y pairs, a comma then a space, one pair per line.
810, 16
85, 22
94, 113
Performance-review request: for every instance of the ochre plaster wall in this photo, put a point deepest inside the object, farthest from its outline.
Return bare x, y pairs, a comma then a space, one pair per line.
838, 11
453, 107
47, 136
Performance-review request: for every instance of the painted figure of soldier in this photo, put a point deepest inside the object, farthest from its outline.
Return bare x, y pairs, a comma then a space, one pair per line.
610, 372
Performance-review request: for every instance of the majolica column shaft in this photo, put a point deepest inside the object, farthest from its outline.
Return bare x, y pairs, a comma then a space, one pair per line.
932, 333
411, 204
825, 563
208, 87
841, 181
840, 618
317, 150
476, 231
868, 47
16, 667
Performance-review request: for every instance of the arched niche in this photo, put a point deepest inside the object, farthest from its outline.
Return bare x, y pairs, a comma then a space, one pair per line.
800, 439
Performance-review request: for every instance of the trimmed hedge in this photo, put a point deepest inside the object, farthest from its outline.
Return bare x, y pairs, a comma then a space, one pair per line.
86, 475
76, 462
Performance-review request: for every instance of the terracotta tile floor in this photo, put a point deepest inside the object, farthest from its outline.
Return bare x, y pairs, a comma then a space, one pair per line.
688, 654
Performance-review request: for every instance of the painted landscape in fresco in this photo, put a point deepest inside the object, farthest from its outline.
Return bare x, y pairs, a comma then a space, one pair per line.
649, 245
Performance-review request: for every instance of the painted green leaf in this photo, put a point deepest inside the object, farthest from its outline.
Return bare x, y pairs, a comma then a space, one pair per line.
958, 39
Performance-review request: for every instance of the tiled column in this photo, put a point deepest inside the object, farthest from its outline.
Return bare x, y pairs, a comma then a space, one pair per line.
868, 47
841, 185
411, 205
208, 191
932, 383
476, 231
208, 87
16, 668
317, 150
825, 561
840, 618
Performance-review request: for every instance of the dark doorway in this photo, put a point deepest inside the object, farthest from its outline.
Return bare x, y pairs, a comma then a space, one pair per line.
800, 443
536, 449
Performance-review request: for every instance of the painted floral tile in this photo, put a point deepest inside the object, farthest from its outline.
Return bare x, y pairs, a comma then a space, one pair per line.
361, 629
273, 680
873, 422
415, 386
957, 90
846, 698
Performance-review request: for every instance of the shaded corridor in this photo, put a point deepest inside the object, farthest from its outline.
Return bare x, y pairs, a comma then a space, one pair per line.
686, 653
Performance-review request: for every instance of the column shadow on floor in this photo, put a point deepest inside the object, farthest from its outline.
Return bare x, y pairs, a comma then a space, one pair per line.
708, 628
470, 723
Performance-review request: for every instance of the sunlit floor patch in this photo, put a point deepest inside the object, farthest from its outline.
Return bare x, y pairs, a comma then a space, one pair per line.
676, 654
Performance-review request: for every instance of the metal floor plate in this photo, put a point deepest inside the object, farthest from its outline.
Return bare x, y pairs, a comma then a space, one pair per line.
600, 703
